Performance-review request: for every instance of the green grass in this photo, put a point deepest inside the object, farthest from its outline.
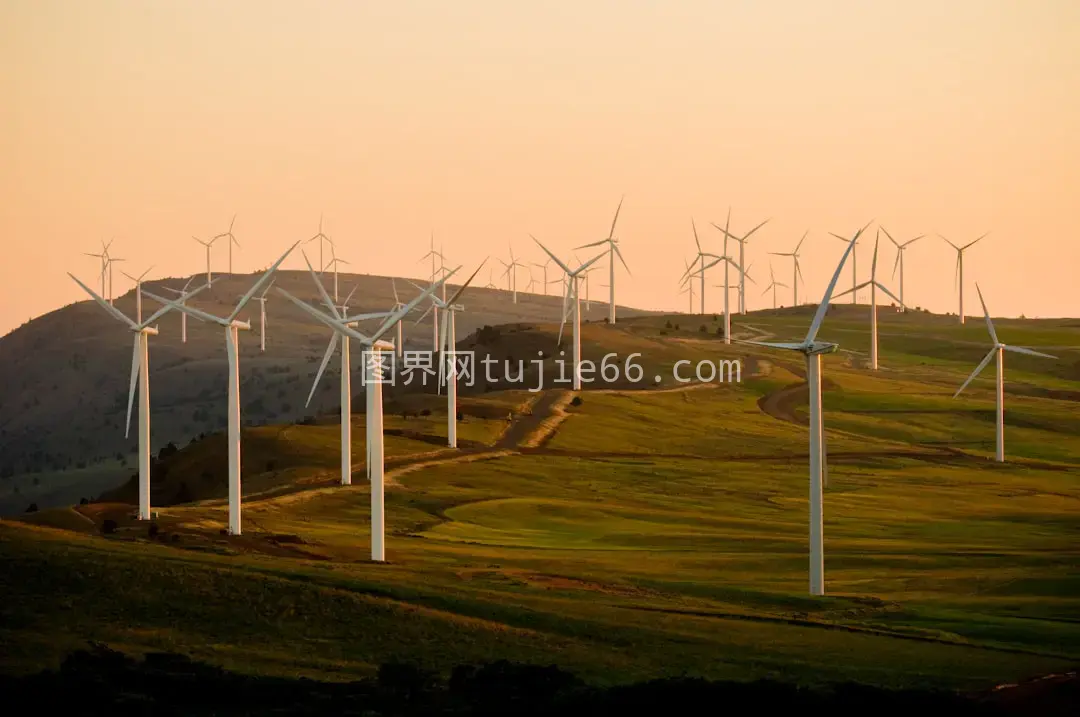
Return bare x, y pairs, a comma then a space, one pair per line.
656, 534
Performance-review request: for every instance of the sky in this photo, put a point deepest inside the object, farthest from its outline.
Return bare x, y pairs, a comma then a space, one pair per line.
153, 121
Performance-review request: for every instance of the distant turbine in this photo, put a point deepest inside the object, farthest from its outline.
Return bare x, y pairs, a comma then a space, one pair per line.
448, 368
511, 273
900, 261
813, 349
232, 327
688, 282
543, 267
399, 342
854, 268
700, 259
874, 285
207, 244
613, 251
572, 293
728, 263
334, 262
742, 259
104, 256
261, 298
999, 350
140, 372
232, 240
434, 254
773, 285
797, 272
322, 239
109, 261
959, 278
183, 316
373, 391
138, 292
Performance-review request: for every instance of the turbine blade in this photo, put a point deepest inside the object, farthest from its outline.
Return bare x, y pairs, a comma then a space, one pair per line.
554, 258
896, 263
399, 313
611, 234
595, 243
393, 285
334, 324
888, 293
202, 315
974, 242
890, 236
469, 281
824, 305
873, 262
759, 226
694, 227
986, 313
262, 280
134, 379
349, 297
618, 253
774, 345
584, 266
322, 367
179, 300
976, 372
1028, 352
424, 315
322, 289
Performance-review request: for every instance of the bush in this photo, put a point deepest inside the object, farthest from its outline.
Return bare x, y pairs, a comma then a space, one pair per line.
83, 501
576, 401
108, 527
702, 329
668, 324
32, 508
167, 450
426, 412
460, 416
153, 530
271, 465
719, 330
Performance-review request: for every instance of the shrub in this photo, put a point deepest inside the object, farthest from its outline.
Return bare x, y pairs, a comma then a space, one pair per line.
668, 324
167, 450
108, 527
83, 501
702, 329
153, 530
271, 465
425, 412
576, 401
32, 508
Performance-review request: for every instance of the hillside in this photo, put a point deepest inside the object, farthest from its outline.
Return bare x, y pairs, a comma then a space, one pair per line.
63, 399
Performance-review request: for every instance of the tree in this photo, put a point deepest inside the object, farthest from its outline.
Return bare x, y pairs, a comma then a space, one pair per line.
32, 508
108, 526
576, 401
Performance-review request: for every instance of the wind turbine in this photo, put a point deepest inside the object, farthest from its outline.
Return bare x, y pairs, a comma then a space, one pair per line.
448, 368
321, 238
232, 327
613, 251
854, 269
511, 273
373, 390
434, 254
140, 373
571, 293
183, 316
959, 278
874, 285
543, 267
742, 259
900, 261
812, 349
261, 298
797, 273
207, 244
491, 279
773, 285
232, 240
700, 259
104, 256
109, 261
334, 261
998, 350
399, 341
728, 263
138, 292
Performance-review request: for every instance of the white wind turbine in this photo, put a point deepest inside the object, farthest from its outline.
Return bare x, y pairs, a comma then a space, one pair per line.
322, 239
959, 278
261, 298
742, 258
900, 261
109, 261
700, 259
232, 240
998, 350
874, 285
232, 327
854, 269
435, 271
728, 263
688, 283
208, 245
613, 251
138, 292
812, 349
399, 341
543, 267
797, 272
511, 273
140, 373
373, 390
572, 294
104, 257
334, 262
183, 316
448, 367
773, 286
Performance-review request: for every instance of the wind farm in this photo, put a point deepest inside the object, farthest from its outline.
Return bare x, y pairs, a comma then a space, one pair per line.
443, 477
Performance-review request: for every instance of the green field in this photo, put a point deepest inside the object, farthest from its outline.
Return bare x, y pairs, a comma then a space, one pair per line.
651, 533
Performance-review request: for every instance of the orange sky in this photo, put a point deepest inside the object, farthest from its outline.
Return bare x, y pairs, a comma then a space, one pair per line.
152, 120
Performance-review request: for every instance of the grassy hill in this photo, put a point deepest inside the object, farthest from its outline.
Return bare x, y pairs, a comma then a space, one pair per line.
64, 398
629, 535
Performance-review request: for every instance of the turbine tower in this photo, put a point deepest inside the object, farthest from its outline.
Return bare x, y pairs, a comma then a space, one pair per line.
699, 259
448, 368
261, 298
742, 259
208, 245
373, 391
571, 293
728, 263
997, 350
900, 261
688, 282
543, 267
874, 285
140, 373
104, 257
232, 327
138, 292
959, 278
435, 270
183, 316
613, 251
232, 240
322, 239
511, 273
109, 261
399, 341
334, 262
797, 272
854, 268
812, 349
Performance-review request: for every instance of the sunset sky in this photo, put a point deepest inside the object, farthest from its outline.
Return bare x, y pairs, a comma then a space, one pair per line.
151, 121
